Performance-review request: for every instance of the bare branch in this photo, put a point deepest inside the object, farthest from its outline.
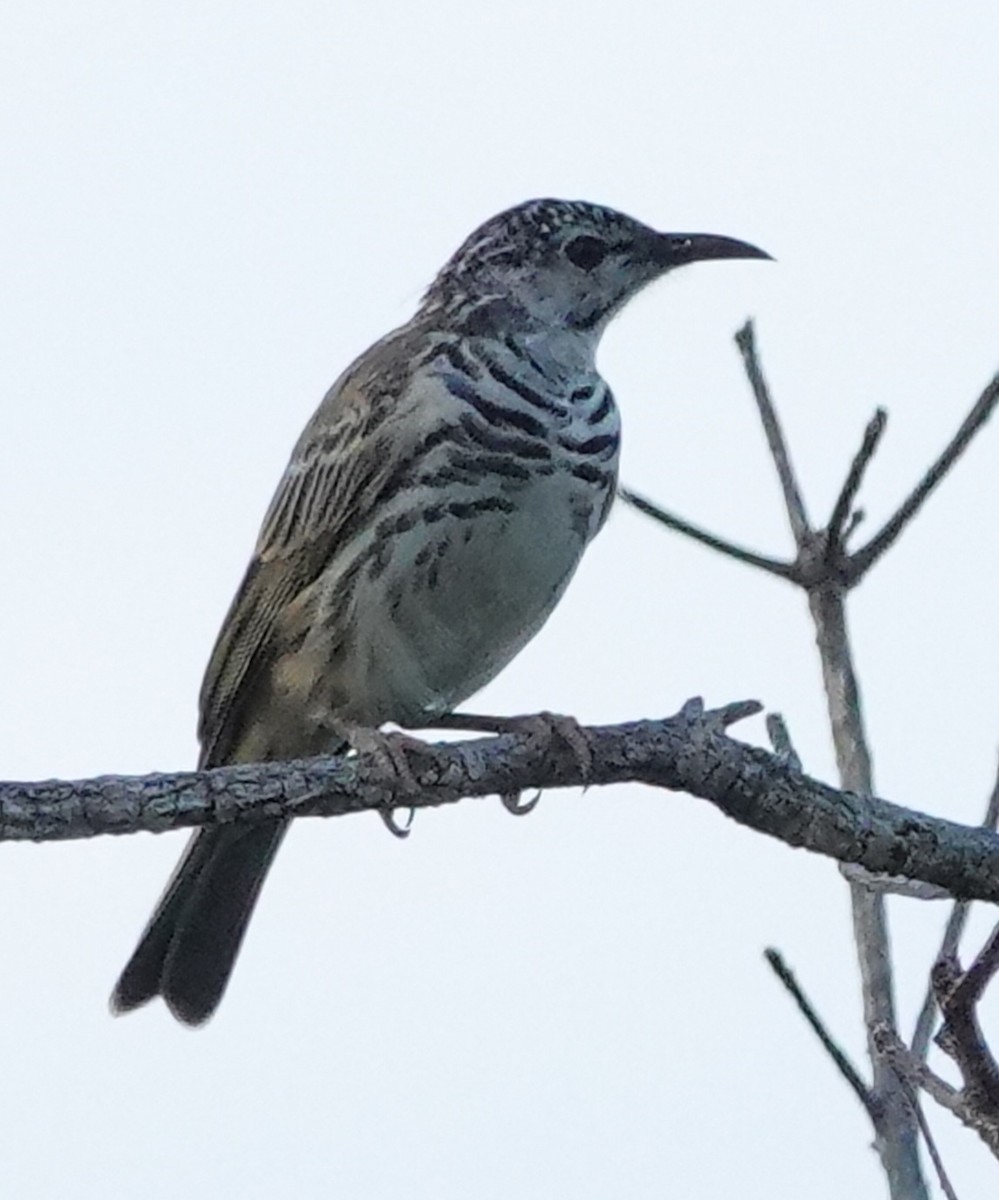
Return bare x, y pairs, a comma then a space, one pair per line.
953, 930
832, 1048
913, 1075
951, 940
780, 739
843, 510
969, 990
690, 752
868, 555
801, 529
916, 1071
853, 756
826, 572
856, 519
893, 885
965, 1104
739, 553
961, 1037
896, 1135
931, 1146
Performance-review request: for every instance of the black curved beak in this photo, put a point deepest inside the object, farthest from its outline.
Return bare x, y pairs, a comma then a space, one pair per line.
676, 249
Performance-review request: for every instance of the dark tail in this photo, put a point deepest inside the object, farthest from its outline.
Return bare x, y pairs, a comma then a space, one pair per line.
187, 952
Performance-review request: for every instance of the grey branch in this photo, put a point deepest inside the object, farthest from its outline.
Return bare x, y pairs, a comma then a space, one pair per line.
887, 1041
893, 885
826, 571
951, 940
780, 740
960, 1037
869, 554
957, 992
690, 752
830, 1045
822, 558
843, 511
745, 339
739, 553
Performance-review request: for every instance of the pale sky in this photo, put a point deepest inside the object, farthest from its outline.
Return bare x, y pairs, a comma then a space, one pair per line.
208, 210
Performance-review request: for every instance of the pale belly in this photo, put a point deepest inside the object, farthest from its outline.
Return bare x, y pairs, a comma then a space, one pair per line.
461, 596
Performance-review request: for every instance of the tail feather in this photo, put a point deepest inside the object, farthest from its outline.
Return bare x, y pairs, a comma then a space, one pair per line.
189, 947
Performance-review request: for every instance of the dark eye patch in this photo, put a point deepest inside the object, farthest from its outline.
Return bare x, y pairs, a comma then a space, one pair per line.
586, 252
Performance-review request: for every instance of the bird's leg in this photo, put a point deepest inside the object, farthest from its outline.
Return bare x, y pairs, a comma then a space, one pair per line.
541, 730
389, 750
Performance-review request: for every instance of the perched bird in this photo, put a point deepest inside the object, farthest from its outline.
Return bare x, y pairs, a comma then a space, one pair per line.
432, 514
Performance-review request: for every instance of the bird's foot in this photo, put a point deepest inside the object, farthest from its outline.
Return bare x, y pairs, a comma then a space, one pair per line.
390, 752
541, 730
516, 807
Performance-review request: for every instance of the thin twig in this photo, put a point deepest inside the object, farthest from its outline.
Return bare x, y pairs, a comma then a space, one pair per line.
960, 1036
909, 1067
843, 508
856, 518
951, 941
893, 885
926, 1020
868, 555
843, 1064
969, 989
965, 1104
773, 565
931, 1146
801, 528
780, 739
913, 1074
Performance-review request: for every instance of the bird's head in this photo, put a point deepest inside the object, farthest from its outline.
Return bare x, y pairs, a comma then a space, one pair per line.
565, 264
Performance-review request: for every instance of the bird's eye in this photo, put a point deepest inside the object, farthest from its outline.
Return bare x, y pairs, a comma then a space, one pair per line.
586, 252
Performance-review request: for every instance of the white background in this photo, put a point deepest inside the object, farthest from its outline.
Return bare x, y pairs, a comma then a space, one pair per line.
207, 211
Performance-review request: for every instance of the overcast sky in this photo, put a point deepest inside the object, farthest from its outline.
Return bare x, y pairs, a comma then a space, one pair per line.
207, 211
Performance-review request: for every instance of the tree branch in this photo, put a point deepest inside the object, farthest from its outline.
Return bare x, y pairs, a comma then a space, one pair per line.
914, 1075
868, 555
961, 1038
838, 528
829, 1044
801, 529
822, 568
977, 1102
826, 571
739, 553
689, 752
951, 940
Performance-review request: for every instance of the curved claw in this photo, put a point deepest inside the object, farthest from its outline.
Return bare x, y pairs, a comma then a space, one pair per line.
397, 830
511, 802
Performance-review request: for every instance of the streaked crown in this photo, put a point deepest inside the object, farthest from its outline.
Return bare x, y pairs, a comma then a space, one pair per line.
566, 262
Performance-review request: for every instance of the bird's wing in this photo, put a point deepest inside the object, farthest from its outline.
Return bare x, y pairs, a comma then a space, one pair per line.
349, 455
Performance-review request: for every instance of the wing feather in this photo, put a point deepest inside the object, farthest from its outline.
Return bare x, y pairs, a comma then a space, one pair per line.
340, 465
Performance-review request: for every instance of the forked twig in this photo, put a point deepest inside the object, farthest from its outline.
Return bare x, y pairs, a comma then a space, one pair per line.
951, 940
838, 528
961, 1038
868, 555
826, 571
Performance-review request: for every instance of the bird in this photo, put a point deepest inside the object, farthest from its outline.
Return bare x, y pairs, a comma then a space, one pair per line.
431, 515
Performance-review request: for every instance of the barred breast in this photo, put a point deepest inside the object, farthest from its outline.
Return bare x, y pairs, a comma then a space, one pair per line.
462, 576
